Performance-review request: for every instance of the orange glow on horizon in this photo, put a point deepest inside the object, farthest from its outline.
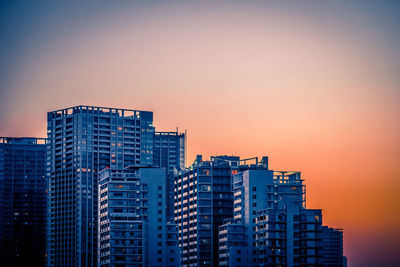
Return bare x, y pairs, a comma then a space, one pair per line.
319, 98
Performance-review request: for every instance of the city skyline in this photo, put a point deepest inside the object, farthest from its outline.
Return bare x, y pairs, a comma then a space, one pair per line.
131, 195
312, 86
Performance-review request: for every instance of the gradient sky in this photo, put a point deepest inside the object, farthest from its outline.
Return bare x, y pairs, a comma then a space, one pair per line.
315, 85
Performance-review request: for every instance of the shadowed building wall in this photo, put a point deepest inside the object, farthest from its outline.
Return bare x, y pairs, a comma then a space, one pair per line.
133, 230
169, 154
22, 201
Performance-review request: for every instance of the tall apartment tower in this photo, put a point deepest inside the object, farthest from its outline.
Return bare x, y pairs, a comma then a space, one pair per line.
203, 201
169, 154
270, 225
133, 230
22, 201
82, 141
249, 196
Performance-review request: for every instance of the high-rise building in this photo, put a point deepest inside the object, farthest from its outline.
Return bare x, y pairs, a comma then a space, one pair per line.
169, 154
22, 201
332, 247
270, 225
203, 201
82, 141
133, 230
288, 237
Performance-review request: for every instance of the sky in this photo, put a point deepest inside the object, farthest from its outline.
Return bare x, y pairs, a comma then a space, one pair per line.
314, 85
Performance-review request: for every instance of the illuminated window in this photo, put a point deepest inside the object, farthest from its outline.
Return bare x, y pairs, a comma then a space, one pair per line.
316, 217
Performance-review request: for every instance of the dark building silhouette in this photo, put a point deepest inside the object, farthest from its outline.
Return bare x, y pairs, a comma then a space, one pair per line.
332, 247
22, 201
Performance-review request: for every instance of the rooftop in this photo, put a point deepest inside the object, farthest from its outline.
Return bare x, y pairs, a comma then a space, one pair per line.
90, 109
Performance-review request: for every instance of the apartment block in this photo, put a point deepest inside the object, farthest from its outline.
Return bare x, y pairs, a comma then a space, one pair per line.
332, 247
285, 238
133, 230
233, 245
169, 154
22, 201
270, 218
82, 141
203, 201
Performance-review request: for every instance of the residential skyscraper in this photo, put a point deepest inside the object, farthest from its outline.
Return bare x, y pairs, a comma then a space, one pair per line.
169, 154
22, 201
203, 201
82, 141
270, 225
133, 230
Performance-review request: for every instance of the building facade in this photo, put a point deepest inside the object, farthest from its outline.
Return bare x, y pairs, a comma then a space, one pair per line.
203, 201
133, 230
288, 238
332, 247
22, 201
270, 214
233, 245
169, 154
82, 141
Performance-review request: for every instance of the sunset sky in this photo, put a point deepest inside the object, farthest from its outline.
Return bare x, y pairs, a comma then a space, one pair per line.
314, 85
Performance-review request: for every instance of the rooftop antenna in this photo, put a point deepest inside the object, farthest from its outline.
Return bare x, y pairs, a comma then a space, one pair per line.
185, 144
